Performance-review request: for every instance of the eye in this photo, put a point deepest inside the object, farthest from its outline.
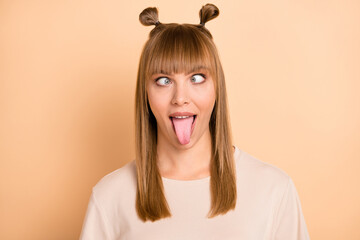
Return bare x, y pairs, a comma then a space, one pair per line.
198, 78
162, 81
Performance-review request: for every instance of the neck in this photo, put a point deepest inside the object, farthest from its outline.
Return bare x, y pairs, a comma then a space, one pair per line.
187, 162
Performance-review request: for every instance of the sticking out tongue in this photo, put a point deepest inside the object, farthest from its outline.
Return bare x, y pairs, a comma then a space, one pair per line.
183, 128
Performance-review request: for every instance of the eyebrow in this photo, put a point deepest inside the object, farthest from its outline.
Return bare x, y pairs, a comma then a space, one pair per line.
197, 68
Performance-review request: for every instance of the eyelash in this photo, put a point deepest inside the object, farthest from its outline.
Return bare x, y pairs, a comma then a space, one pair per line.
201, 74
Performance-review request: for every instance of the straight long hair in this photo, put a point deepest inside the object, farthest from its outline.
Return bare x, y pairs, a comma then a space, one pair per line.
178, 48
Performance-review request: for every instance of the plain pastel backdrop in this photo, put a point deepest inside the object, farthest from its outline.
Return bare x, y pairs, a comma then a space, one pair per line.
67, 82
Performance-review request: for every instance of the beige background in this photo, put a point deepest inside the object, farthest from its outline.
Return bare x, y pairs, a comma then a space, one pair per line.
67, 82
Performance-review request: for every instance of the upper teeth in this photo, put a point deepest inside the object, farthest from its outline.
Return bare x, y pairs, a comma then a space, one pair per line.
181, 116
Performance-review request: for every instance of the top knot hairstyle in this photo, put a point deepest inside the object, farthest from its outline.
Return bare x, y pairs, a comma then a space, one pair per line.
181, 48
150, 16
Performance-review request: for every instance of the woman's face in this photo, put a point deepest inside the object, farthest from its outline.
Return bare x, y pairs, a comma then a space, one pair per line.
182, 105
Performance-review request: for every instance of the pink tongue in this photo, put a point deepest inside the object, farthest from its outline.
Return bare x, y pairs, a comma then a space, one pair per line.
183, 128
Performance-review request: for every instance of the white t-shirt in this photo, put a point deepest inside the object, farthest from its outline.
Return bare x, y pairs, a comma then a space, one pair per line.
267, 208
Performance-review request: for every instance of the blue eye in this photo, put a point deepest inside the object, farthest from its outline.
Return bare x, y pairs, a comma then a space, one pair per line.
162, 81
198, 78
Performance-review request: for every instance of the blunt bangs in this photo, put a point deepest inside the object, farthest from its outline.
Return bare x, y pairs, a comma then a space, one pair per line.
180, 49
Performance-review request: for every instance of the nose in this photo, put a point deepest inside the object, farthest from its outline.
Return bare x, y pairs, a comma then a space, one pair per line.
180, 95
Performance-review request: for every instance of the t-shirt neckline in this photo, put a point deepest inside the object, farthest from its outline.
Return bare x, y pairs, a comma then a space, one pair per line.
204, 179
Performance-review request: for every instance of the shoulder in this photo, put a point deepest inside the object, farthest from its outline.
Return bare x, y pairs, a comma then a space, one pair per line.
117, 183
252, 169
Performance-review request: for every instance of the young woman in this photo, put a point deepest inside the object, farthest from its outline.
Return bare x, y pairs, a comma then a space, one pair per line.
188, 181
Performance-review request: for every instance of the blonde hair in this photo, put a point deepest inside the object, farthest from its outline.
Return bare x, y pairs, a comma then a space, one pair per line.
177, 48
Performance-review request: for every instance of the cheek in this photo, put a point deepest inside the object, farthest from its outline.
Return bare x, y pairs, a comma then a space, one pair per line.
205, 99
157, 104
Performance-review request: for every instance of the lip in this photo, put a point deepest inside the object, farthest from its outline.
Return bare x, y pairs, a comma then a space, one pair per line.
176, 114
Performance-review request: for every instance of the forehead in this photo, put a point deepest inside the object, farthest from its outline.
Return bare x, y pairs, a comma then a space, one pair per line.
179, 50
172, 66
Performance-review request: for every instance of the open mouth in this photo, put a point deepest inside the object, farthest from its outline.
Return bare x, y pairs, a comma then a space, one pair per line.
183, 127
183, 117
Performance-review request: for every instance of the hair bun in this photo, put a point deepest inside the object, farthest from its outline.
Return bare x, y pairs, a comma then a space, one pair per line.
208, 12
149, 16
